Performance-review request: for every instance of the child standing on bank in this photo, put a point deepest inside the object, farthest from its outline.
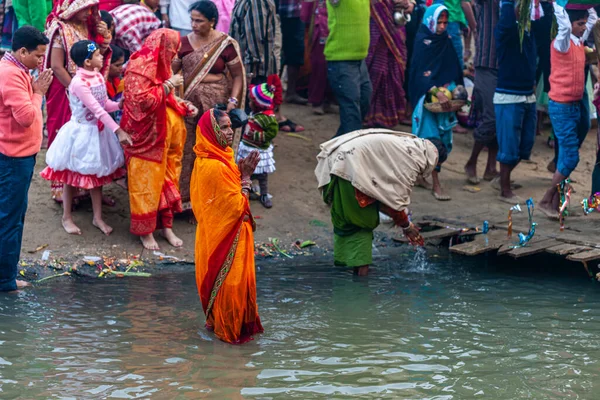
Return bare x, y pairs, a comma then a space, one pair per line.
514, 99
567, 86
258, 134
86, 152
115, 84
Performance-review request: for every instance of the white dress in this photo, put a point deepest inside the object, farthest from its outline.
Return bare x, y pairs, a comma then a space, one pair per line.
82, 154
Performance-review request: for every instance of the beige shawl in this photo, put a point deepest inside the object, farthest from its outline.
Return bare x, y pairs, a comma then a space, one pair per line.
381, 163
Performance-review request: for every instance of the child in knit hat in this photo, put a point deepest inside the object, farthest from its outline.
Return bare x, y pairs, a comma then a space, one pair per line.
261, 129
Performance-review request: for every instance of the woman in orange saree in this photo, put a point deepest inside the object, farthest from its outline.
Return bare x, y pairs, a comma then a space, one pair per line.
153, 117
69, 22
225, 271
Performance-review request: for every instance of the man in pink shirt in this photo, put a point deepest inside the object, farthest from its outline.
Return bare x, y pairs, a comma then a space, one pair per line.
21, 125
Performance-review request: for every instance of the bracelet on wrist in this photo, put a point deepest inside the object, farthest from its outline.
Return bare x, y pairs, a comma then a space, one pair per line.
406, 229
233, 100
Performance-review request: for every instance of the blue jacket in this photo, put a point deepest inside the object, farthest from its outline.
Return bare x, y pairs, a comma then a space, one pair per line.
516, 62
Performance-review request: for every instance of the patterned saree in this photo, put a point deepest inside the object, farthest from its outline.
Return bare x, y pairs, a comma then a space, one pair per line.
225, 271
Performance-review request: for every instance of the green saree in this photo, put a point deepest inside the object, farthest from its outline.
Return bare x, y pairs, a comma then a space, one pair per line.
353, 225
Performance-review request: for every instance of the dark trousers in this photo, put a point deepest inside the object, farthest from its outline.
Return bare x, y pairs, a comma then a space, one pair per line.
352, 87
15, 178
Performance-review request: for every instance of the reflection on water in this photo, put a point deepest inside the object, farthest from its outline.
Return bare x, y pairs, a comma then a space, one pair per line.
419, 327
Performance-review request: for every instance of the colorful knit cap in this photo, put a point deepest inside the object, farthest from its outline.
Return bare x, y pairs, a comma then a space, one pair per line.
263, 95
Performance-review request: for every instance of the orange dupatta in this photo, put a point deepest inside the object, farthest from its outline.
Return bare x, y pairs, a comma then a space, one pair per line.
225, 270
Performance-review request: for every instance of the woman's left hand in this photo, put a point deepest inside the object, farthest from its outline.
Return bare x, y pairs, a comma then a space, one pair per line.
413, 235
230, 106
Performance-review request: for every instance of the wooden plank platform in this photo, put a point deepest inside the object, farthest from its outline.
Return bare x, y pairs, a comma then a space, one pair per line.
481, 244
515, 239
564, 249
593, 254
533, 248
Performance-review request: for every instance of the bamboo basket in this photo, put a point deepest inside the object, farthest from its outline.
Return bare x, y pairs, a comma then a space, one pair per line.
436, 108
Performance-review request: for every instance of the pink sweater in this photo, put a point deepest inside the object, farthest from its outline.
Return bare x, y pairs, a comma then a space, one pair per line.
90, 88
21, 120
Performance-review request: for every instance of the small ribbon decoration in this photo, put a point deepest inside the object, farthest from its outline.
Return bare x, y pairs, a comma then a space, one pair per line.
516, 208
524, 239
564, 192
591, 204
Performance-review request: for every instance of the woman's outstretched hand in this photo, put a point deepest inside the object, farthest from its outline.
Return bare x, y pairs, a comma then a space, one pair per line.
413, 235
248, 165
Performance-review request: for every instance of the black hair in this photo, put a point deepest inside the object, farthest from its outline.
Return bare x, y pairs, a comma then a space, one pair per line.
576, 15
28, 37
107, 19
79, 52
218, 114
117, 53
206, 8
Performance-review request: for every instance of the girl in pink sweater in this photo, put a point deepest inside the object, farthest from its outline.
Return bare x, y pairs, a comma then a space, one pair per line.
86, 152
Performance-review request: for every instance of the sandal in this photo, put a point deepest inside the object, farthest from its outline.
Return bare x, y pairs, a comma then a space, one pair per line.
289, 126
265, 201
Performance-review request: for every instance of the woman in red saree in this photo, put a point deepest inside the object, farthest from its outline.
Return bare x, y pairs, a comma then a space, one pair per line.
69, 22
386, 62
225, 271
153, 117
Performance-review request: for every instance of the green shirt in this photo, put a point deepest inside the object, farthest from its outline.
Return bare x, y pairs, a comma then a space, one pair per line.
32, 12
349, 36
455, 11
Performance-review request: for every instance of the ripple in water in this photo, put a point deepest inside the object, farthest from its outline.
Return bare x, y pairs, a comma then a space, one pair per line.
427, 325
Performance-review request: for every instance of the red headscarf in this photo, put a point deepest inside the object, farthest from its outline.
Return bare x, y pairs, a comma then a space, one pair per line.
211, 142
145, 105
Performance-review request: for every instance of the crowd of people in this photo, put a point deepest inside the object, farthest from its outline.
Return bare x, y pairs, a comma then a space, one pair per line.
180, 101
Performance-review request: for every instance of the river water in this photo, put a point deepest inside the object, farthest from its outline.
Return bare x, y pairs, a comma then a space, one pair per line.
437, 327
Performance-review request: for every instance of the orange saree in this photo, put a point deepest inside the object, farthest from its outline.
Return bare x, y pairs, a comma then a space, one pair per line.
225, 270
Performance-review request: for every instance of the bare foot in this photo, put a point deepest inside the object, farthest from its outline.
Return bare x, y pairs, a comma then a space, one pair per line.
422, 182
173, 240
70, 227
471, 171
149, 242
361, 271
490, 175
548, 211
100, 224
22, 284
439, 193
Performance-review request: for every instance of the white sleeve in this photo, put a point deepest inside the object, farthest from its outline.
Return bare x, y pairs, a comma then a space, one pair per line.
563, 38
164, 6
590, 24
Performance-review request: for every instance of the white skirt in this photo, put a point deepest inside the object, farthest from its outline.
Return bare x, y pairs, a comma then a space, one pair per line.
82, 148
266, 165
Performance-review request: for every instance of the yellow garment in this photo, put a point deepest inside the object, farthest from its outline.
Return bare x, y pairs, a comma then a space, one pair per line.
225, 270
154, 187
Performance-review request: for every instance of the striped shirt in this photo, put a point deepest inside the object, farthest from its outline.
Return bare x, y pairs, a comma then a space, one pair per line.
253, 26
488, 12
